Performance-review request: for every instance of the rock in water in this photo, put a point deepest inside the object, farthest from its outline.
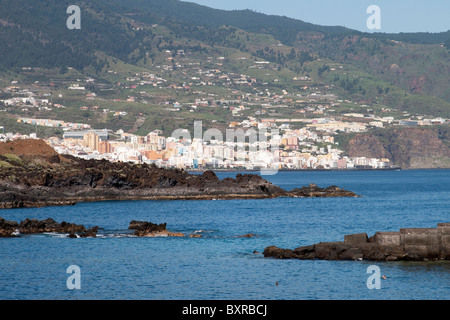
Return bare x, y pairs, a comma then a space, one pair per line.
409, 244
34, 226
7, 228
148, 229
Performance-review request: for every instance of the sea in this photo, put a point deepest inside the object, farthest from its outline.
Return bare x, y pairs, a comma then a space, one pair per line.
222, 265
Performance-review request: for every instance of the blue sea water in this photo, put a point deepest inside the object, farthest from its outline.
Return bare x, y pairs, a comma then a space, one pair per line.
221, 265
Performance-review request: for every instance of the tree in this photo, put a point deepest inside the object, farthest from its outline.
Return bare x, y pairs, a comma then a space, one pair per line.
304, 57
292, 55
322, 69
63, 70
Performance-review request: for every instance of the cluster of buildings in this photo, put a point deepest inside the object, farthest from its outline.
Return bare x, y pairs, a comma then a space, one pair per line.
54, 123
299, 128
294, 149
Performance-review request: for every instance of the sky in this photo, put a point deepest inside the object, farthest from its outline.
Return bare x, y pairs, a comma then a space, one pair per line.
395, 15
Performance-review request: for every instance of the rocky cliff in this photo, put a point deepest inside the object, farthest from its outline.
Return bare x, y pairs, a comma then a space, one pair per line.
409, 148
32, 174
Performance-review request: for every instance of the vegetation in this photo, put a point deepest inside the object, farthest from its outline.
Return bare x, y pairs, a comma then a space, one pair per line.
118, 39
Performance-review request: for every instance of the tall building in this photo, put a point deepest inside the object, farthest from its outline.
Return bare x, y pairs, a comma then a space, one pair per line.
91, 140
105, 147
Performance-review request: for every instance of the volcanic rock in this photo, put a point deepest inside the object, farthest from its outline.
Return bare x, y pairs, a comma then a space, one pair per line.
312, 191
35, 226
32, 174
148, 229
90, 233
409, 244
7, 228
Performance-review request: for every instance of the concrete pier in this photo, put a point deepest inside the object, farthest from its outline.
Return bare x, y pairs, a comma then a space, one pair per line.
430, 243
415, 244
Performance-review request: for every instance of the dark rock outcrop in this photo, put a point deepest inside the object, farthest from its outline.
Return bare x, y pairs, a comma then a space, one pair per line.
148, 229
8, 228
51, 179
90, 233
313, 191
34, 226
409, 244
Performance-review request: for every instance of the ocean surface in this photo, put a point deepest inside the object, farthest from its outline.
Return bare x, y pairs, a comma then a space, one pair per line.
222, 265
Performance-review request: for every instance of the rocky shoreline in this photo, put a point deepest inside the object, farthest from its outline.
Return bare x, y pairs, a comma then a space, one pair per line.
13, 229
37, 196
408, 244
46, 178
141, 229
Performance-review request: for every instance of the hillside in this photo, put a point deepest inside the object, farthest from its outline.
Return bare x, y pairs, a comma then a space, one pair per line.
34, 34
28, 148
163, 64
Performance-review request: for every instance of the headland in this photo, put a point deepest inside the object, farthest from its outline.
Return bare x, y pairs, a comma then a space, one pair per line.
32, 174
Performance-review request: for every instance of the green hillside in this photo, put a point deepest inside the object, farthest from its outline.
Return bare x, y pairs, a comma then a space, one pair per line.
201, 53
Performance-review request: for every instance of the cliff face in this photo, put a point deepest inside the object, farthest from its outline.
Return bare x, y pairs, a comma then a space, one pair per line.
411, 148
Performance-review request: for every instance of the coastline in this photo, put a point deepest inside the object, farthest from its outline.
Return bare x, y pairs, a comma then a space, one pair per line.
302, 170
288, 223
407, 244
57, 197
37, 176
317, 170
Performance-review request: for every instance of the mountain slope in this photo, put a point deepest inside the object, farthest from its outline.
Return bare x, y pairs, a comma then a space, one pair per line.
411, 77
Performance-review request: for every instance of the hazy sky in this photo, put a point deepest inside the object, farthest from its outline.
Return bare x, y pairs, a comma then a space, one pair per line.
396, 15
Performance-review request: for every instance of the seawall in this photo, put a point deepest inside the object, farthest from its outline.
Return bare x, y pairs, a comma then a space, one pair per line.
407, 244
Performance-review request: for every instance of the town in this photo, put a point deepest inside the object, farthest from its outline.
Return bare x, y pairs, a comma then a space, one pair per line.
312, 147
297, 121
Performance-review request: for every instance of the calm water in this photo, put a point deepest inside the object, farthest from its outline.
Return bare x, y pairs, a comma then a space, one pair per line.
221, 265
